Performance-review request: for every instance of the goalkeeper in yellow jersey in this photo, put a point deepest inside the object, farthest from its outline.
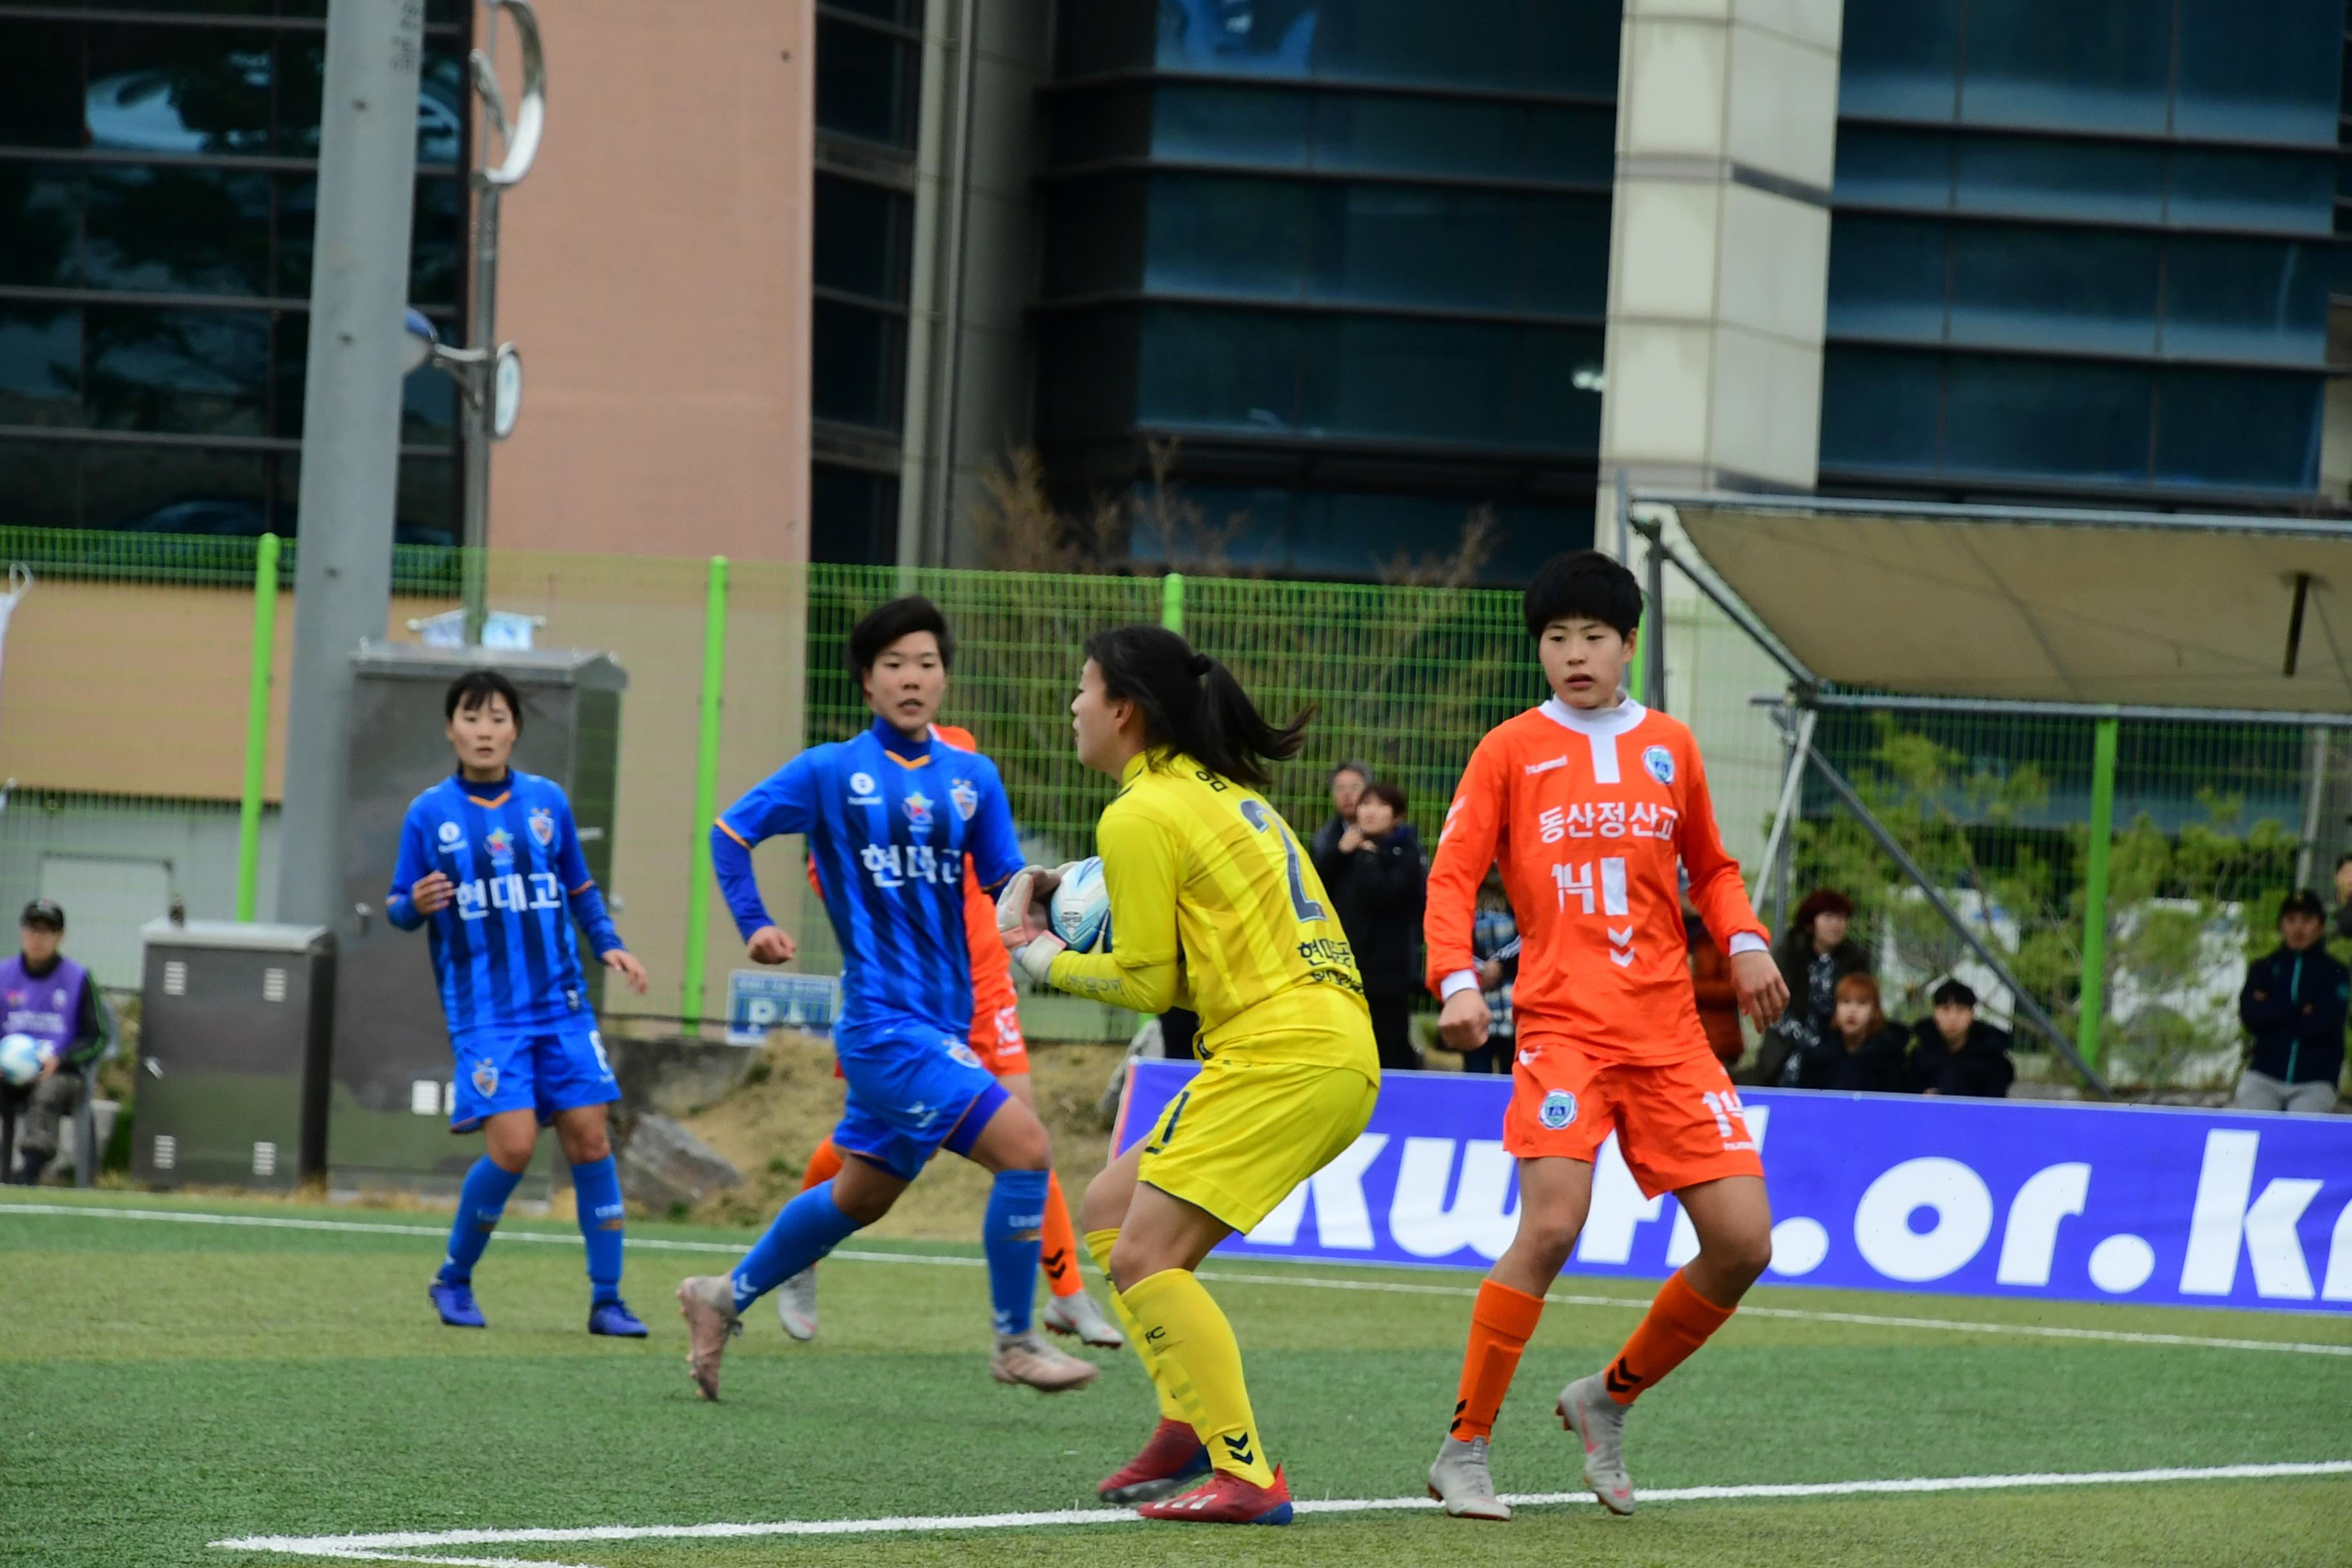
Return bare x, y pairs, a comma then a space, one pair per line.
1211, 896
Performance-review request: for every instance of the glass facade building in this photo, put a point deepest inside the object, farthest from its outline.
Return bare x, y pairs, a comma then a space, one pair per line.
158, 187
2083, 252
869, 58
1350, 256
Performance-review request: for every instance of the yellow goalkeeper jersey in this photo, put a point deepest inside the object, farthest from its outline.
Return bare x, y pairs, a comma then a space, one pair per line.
1205, 875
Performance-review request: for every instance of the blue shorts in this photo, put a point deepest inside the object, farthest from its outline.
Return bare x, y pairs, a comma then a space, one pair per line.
548, 1072
910, 1099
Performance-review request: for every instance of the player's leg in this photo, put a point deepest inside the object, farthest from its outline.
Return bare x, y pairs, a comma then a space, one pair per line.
1072, 1311
1003, 1135
508, 1139
1555, 1193
796, 1297
1172, 1459
574, 1083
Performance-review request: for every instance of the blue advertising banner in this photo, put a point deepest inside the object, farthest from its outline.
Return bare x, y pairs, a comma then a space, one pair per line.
2019, 1198
759, 1000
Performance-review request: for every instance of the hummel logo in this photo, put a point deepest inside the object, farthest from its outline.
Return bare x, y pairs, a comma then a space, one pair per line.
1620, 938
1622, 1379
1544, 767
1239, 1448
1056, 1262
1527, 1055
1621, 958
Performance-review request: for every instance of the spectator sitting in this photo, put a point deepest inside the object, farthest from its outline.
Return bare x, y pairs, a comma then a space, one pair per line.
1347, 781
2293, 1006
1814, 955
1863, 1052
1495, 940
47, 995
1953, 1053
1379, 884
1718, 999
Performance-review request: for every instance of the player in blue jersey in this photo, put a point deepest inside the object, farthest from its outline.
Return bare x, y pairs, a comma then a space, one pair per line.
888, 818
491, 866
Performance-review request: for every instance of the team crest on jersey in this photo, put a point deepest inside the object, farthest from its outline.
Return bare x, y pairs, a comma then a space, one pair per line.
542, 826
966, 798
500, 843
1558, 1111
963, 1053
919, 809
485, 1078
1661, 764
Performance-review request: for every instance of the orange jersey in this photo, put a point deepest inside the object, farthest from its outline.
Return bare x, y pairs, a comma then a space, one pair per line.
1588, 814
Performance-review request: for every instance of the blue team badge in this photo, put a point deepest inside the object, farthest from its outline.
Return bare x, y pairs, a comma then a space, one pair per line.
542, 826
919, 809
1661, 764
966, 798
500, 843
485, 1078
963, 1053
1558, 1111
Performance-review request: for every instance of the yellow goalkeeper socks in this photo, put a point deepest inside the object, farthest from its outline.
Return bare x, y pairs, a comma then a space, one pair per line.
1098, 1246
1200, 1364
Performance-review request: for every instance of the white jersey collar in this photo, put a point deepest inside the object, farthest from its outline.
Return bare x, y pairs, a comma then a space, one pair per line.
1595, 721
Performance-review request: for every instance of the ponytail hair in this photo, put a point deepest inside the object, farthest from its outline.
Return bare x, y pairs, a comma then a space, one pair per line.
1192, 704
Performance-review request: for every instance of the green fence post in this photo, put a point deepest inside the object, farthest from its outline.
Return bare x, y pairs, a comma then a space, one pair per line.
1171, 602
257, 724
2095, 891
706, 790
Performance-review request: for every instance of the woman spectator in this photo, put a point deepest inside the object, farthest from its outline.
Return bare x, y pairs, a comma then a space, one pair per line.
1376, 878
1718, 999
1863, 1051
1813, 956
1495, 940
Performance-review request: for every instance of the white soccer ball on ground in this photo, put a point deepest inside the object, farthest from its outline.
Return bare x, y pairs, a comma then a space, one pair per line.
22, 1057
1080, 910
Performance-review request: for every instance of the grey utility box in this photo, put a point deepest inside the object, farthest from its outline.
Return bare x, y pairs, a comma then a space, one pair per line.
388, 1120
232, 1041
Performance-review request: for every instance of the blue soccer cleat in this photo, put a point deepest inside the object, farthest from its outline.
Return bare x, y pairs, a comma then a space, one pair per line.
614, 1318
455, 1305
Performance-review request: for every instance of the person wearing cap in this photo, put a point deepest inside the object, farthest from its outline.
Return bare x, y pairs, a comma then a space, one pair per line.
1814, 955
47, 995
1955, 1052
2293, 1006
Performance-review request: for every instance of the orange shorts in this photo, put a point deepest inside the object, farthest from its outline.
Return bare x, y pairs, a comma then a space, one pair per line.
997, 1041
1678, 1122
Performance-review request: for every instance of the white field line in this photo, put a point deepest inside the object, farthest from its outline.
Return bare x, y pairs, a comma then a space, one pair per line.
1294, 1281
392, 1546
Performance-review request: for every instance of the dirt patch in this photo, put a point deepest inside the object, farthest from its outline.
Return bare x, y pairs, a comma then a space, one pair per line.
768, 1127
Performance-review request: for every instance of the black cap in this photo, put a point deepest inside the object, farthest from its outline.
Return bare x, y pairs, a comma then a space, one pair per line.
2302, 901
1954, 992
44, 912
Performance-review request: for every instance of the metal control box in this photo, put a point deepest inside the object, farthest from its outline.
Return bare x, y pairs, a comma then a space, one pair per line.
388, 1118
233, 1047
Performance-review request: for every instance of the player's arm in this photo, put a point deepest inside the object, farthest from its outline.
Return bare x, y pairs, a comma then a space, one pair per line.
1721, 898
1140, 859
417, 887
587, 904
1449, 917
993, 843
784, 802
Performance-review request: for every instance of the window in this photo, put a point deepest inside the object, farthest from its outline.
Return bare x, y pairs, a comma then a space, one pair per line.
2048, 419
2260, 69
1880, 409
853, 515
1886, 278
858, 359
862, 235
2246, 299
2269, 190
2094, 65
868, 82
2063, 288
2238, 429
1900, 58
2111, 181
1878, 167
1358, 534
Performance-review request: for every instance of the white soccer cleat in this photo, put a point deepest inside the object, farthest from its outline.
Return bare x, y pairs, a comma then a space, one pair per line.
1027, 1360
1599, 1421
796, 1304
1461, 1481
1077, 1314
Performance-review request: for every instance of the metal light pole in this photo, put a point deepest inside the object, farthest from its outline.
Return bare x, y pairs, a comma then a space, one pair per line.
490, 378
350, 424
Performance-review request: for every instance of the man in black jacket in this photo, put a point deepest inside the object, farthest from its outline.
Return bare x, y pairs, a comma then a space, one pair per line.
2294, 1005
1376, 878
1347, 781
1953, 1053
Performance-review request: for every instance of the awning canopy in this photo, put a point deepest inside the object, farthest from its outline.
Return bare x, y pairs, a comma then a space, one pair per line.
2156, 609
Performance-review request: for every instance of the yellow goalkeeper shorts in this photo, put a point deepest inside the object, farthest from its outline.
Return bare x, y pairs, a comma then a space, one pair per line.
1239, 1137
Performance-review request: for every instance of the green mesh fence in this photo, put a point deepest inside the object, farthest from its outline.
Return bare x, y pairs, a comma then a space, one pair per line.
2209, 835
97, 556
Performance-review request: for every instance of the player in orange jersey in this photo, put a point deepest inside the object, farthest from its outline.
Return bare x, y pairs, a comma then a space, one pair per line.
996, 1039
1589, 804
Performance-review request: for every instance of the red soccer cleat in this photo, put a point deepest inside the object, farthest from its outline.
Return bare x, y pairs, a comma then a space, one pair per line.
1172, 1460
1227, 1499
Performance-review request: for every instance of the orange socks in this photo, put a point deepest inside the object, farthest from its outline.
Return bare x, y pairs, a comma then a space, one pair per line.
1677, 1323
1500, 1323
822, 1167
1059, 1255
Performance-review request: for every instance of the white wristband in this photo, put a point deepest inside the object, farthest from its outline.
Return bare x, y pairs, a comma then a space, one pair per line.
1454, 985
1036, 959
1746, 941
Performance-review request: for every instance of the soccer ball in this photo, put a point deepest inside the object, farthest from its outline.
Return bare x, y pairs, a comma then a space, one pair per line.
1080, 911
22, 1057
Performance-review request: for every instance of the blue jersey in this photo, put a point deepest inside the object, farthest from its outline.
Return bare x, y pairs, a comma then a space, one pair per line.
888, 822
503, 952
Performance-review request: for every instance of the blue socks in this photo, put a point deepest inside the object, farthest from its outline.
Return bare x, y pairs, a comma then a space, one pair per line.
597, 1185
480, 1202
1009, 1235
808, 1227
